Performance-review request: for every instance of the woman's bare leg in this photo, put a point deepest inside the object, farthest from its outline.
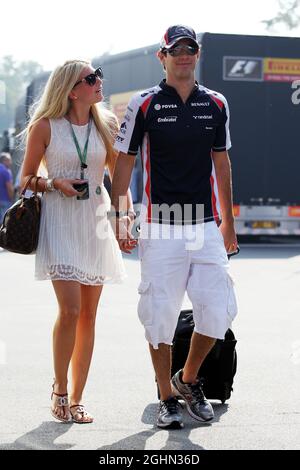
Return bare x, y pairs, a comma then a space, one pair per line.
68, 295
84, 344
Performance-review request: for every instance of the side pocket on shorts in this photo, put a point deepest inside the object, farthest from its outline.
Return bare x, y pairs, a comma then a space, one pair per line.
145, 309
232, 307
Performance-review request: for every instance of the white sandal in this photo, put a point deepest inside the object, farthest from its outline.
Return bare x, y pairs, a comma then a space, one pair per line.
85, 416
60, 400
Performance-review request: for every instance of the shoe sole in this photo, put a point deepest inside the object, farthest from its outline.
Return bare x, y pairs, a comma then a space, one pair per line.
81, 422
190, 412
173, 425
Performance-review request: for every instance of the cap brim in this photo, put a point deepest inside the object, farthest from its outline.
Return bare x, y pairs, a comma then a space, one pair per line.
178, 39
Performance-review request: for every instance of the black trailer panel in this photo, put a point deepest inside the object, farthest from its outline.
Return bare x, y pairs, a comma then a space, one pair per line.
264, 121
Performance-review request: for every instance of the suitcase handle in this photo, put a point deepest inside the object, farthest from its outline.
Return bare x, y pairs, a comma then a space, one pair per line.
234, 253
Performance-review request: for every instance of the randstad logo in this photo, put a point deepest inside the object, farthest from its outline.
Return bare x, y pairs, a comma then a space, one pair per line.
158, 106
167, 119
203, 117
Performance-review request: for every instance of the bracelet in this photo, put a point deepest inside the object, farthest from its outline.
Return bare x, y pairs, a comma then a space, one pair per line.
50, 185
44, 187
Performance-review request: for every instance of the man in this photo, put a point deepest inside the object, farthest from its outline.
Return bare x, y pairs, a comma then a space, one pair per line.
6, 184
5, 142
181, 128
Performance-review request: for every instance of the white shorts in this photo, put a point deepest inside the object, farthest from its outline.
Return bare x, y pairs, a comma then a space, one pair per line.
171, 267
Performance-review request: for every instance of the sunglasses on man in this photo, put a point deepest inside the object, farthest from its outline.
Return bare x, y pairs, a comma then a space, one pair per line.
180, 49
91, 78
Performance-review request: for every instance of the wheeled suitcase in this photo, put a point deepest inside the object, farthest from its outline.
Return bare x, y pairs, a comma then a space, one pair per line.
219, 367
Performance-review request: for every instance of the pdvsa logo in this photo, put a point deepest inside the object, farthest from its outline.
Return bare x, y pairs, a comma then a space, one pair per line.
158, 106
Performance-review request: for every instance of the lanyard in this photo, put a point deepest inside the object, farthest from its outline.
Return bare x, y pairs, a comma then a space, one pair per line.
82, 156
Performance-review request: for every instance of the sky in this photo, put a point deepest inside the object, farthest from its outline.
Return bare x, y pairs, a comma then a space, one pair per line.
53, 32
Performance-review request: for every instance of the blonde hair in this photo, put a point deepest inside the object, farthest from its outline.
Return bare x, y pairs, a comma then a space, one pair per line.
55, 103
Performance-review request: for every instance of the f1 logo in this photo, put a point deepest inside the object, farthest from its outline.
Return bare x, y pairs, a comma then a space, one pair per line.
243, 68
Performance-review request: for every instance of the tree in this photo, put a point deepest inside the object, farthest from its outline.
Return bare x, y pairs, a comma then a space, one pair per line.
287, 15
15, 76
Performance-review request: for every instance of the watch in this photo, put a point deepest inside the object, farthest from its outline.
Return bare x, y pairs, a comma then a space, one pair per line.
49, 185
118, 214
115, 214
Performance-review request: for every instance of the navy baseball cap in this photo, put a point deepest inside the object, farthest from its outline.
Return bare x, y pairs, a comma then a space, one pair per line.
175, 33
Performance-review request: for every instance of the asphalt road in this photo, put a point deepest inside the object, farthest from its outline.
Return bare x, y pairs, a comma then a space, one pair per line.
263, 412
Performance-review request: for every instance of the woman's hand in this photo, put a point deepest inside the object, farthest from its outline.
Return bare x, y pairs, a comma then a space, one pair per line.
65, 185
122, 228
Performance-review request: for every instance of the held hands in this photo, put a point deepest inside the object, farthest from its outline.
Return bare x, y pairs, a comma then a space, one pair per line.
122, 227
65, 185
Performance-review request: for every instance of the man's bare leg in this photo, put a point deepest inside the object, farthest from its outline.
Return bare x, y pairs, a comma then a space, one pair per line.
161, 359
199, 348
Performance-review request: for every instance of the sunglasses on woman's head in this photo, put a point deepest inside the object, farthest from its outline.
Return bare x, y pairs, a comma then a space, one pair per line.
176, 51
91, 78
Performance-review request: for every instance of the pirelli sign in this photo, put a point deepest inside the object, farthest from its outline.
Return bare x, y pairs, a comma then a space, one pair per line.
281, 70
261, 69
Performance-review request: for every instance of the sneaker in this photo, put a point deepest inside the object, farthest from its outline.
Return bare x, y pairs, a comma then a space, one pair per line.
169, 416
197, 405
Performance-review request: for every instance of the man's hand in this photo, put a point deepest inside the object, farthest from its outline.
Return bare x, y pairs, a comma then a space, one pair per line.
229, 235
122, 227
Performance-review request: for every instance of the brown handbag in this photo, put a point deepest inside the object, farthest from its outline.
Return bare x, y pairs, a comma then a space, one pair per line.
19, 231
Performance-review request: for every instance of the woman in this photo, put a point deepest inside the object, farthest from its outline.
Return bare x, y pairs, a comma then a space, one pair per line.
74, 137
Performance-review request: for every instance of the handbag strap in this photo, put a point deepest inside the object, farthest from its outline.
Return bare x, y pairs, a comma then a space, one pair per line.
28, 183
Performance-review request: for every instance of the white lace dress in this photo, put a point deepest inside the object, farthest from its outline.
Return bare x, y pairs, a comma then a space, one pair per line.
76, 241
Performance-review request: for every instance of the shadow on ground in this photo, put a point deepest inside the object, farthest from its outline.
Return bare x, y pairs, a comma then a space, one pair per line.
44, 436
41, 438
176, 439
